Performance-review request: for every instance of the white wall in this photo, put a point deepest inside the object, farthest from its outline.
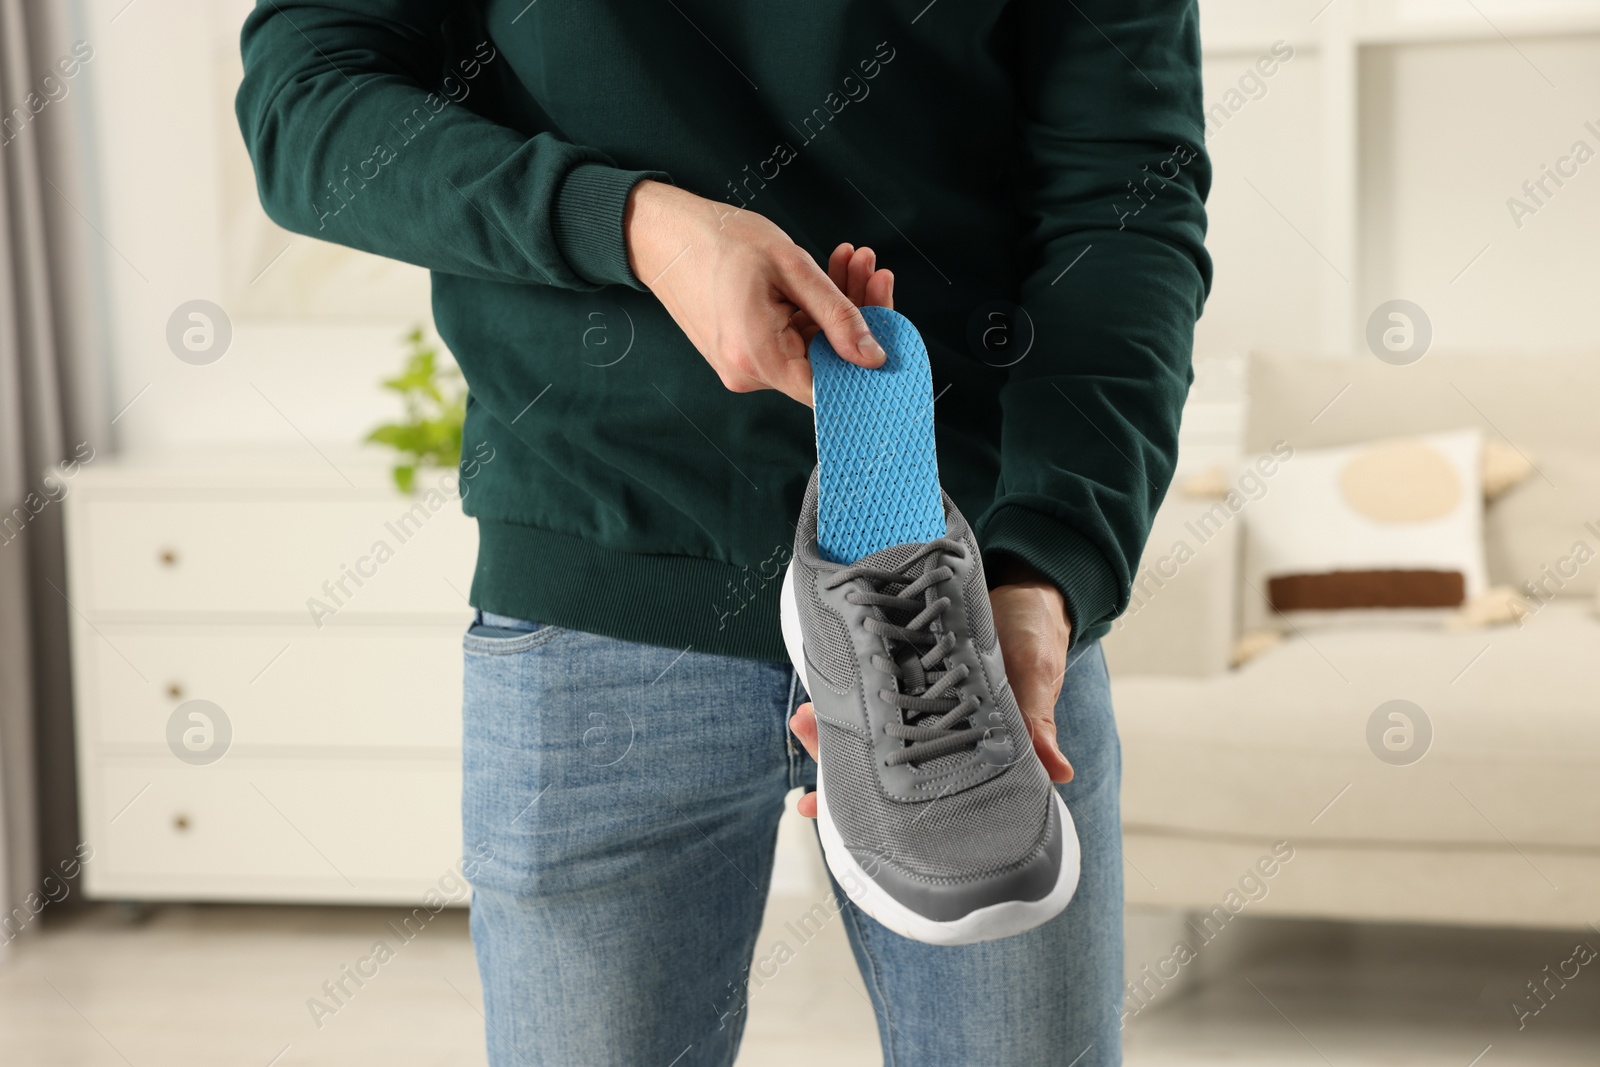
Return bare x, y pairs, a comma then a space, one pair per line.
1459, 130
1267, 275
1450, 105
176, 228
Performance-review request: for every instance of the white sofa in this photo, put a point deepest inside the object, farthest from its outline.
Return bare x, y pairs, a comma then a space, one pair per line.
1499, 822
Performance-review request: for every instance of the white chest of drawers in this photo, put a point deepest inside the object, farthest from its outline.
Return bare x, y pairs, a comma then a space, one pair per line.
317, 614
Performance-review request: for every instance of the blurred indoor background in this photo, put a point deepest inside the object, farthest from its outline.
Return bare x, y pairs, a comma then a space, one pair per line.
229, 731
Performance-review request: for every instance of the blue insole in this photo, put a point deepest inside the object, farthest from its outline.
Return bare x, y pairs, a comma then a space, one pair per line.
879, 474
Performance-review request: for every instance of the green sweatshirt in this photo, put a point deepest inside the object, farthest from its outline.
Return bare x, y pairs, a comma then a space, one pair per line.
1032, 170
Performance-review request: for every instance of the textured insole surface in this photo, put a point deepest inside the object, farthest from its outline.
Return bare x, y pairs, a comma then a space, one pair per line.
879, 475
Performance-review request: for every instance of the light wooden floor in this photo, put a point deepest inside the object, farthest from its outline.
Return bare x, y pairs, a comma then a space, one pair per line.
220, 986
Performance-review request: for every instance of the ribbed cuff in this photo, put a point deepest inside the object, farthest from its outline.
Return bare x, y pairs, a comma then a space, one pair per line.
587, 222
1061, 554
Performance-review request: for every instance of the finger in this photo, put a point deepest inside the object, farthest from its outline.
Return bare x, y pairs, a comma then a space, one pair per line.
791, 373
880, 289
804, 727
801, 324
860, 270
1042, 729
839, 266
808, 288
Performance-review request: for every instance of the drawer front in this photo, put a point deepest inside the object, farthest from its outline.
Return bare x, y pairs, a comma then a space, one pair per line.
369, 686
311, 558
265, 829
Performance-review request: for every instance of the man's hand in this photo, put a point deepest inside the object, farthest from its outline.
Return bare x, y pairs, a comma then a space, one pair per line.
1030, 619
747, 296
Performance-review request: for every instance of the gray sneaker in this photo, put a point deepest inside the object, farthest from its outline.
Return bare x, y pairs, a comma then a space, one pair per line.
935, 815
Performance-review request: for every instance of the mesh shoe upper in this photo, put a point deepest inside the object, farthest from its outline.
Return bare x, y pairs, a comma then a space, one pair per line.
979, 802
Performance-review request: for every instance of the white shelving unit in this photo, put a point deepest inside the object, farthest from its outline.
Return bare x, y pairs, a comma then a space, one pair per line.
232, 744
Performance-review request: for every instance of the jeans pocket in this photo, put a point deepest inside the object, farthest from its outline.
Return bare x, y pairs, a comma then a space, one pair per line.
498, 635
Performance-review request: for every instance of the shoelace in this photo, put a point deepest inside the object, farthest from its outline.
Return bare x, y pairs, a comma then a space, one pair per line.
933, 708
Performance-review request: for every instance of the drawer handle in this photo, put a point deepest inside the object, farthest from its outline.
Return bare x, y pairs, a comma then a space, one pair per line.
168, 557
175, 690
180, 822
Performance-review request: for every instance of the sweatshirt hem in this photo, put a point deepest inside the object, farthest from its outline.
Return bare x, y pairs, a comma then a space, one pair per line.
672, 601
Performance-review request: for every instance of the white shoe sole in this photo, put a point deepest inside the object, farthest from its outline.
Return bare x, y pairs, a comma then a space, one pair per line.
985, 924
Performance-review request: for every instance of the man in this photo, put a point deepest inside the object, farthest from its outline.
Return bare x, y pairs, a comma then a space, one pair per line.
623, 204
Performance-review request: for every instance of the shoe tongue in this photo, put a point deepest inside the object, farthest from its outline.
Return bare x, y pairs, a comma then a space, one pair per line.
913, 678
893, 558
897, 558
900, 558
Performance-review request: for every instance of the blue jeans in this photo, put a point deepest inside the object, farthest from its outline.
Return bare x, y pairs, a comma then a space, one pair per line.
627, 800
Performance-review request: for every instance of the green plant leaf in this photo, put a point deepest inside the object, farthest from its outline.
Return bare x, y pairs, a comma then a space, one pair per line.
435, 402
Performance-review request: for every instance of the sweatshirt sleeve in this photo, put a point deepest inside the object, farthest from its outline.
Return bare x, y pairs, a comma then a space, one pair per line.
358, 115
1113, 178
